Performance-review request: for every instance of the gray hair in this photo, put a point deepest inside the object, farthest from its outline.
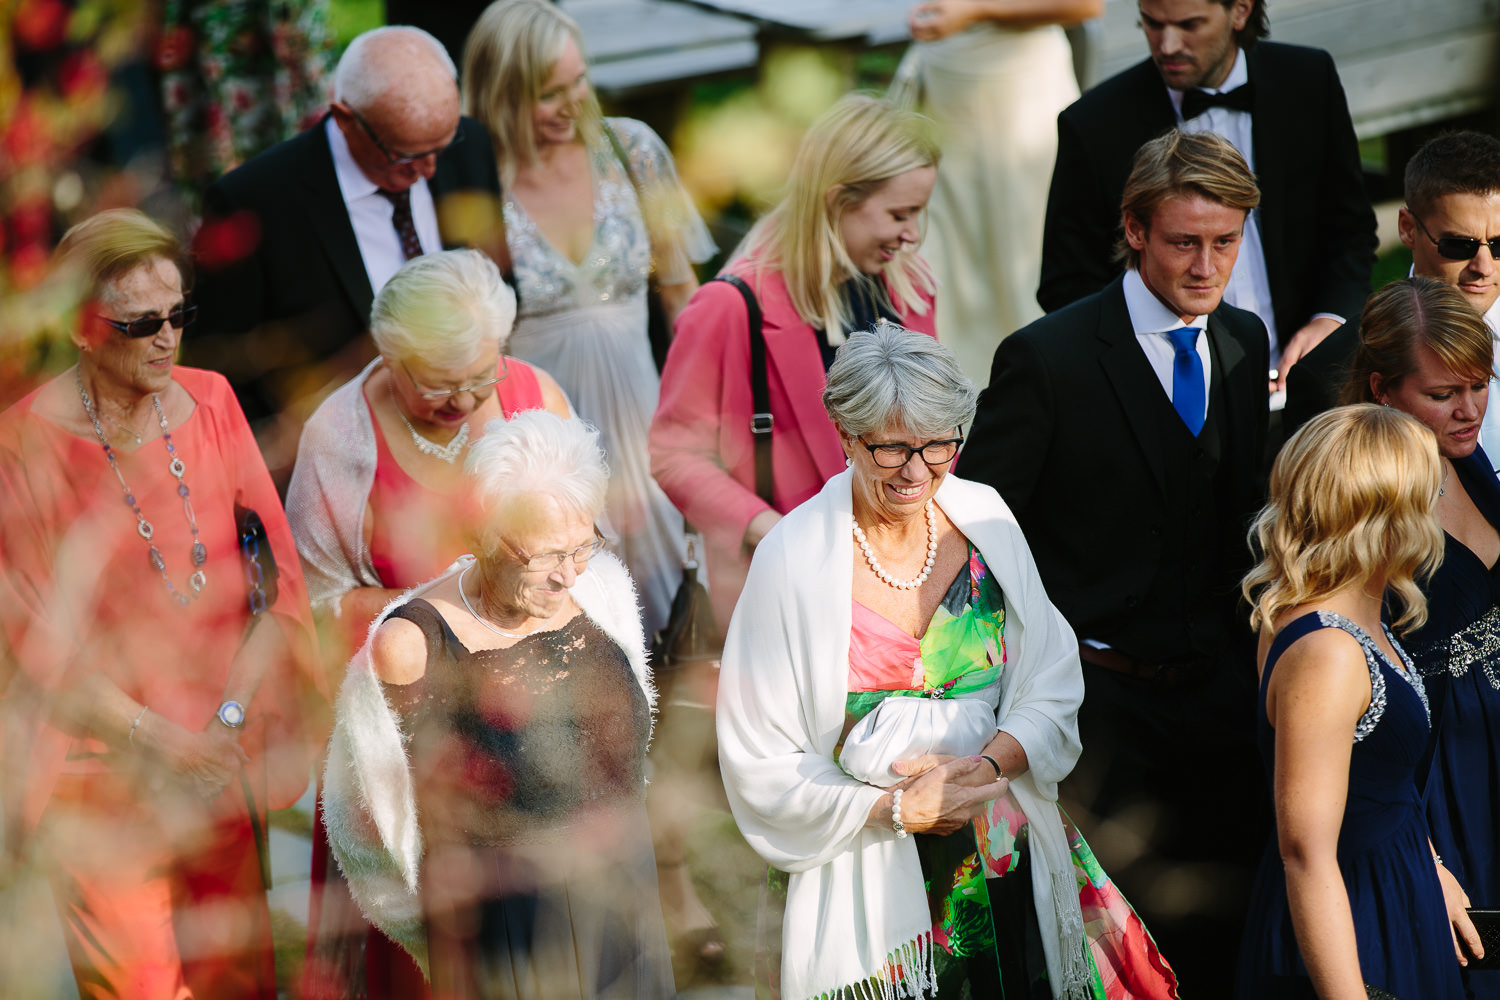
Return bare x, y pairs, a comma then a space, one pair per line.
534, 453
892, 377
443, 310
360, 80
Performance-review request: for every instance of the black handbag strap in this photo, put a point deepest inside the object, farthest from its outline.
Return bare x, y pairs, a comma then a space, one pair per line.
760, 389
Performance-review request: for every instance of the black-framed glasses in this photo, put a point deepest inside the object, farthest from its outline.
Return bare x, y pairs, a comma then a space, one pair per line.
1458, 247
396, 159
549, 561
138, 329
441, 395
894, 456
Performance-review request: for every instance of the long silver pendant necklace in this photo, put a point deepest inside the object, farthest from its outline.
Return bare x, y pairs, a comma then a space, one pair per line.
446, 452
485, 621
199, 553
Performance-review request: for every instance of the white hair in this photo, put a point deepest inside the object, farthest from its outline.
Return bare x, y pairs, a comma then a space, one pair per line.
443, 310
360, 80
893, 377
534, 453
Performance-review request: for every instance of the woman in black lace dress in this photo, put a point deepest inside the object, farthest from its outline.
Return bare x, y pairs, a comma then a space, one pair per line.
485, 787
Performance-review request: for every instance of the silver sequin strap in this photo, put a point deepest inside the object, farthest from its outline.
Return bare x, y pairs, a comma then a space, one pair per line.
1373, 659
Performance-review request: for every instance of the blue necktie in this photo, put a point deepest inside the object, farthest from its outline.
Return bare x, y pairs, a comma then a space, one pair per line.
1187, 378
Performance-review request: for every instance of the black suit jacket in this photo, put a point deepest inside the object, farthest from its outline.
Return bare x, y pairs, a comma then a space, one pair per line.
1316, 224
281, 287
1065, 433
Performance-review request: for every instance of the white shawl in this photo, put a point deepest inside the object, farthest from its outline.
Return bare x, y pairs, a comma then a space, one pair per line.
329, 492
856, 907
369, 805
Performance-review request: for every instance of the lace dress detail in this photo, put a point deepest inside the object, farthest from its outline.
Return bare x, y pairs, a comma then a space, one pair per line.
585, 324
1373, 656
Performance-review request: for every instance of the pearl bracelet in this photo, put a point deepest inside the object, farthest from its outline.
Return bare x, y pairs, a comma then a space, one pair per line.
896, 823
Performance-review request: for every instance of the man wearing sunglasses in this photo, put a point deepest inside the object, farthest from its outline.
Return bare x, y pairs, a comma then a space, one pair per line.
1451, 223
297, 241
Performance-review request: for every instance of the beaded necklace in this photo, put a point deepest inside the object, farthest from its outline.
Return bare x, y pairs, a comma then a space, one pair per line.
199, 553
444, 452
882, 573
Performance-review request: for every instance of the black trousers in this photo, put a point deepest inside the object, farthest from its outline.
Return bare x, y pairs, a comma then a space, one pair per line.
1172, 797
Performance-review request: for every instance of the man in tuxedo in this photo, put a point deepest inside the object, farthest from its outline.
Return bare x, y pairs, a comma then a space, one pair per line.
297, 241
1304, 266
1125, 432
1451, 223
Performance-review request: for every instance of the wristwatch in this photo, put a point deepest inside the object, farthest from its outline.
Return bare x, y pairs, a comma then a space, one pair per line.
232, 714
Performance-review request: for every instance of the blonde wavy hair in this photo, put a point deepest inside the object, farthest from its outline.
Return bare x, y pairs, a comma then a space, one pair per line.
511, 51
1352, 493
854, 148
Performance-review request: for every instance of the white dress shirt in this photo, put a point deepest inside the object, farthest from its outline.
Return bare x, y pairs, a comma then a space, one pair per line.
1152, 321
370, 213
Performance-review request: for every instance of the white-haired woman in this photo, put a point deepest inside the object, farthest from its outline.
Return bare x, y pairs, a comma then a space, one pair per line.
894, 668
371, 501
837, 253
484, 790
592, 208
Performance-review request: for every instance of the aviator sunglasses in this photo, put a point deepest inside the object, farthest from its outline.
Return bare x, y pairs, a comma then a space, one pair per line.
136, 329
1459, 247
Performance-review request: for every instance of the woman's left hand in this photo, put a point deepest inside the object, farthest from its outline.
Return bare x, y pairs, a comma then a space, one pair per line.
1465, 938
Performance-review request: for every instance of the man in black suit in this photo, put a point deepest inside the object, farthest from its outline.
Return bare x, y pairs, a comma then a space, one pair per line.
1452, 213
297, 241
1126, 440
1308, 249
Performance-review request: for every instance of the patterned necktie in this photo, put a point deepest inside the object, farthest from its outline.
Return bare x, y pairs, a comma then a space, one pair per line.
1187, 378
406, 229
1195, 101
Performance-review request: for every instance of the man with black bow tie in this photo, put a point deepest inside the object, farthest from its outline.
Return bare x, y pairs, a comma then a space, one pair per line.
1305, 265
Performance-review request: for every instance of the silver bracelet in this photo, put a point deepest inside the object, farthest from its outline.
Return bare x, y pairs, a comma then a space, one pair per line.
136, 723
896, 823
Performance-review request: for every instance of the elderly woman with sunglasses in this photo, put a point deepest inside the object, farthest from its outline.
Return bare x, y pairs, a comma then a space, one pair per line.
153, 703
898, 702
485, 788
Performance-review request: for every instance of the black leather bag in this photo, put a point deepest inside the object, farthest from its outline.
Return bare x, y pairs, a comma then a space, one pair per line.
259, 561
1487, 923
691, 635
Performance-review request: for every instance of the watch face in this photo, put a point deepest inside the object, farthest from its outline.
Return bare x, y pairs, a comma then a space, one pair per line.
232, 714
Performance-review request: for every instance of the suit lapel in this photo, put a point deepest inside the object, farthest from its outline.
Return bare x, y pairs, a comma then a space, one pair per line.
318, 198
1270, 170
1229, 355
1132, 378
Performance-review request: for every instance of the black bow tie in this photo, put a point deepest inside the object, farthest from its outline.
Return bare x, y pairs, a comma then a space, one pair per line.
1195, 101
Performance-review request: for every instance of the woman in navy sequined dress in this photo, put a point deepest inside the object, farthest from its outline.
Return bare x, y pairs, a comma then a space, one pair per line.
1349, 894
1425, 351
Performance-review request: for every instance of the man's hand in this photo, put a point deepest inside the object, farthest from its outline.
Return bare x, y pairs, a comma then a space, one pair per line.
1306, 339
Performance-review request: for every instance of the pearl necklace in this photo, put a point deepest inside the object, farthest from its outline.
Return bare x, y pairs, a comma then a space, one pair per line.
485, 621
198, 553
864, 546
445, 452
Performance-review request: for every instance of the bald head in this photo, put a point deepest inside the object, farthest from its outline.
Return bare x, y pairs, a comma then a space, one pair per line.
396, 97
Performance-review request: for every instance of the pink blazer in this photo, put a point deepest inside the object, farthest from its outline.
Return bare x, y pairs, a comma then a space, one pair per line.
702, 451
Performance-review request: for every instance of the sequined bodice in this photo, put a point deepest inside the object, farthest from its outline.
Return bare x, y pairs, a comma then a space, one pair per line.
617, 263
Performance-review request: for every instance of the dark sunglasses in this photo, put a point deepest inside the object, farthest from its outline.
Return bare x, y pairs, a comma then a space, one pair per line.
1459, 247
136, 329
394, 158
